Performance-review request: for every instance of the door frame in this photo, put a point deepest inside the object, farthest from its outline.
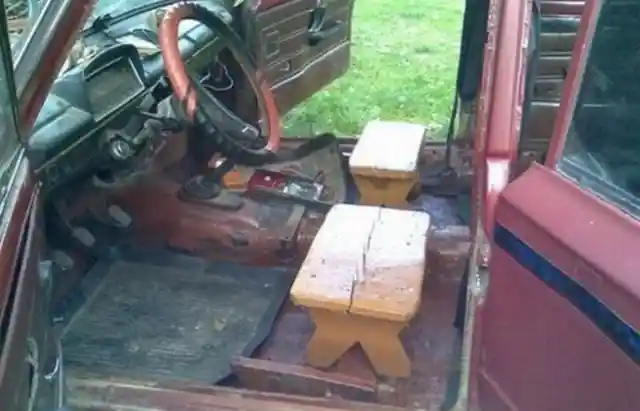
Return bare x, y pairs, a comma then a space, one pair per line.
29, 77
495, 145
572, 82
35, 68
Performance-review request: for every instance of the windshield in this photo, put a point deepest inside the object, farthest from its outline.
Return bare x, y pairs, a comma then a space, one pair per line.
115, 7
602, 151
22, 13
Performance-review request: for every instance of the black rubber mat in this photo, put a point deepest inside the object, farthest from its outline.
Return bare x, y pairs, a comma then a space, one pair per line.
164, 316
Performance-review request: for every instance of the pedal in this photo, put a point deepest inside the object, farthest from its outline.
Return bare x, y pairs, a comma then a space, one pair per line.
84, 236
62, 260
119, 216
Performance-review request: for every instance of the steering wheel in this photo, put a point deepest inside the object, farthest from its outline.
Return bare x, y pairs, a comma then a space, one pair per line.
236, 139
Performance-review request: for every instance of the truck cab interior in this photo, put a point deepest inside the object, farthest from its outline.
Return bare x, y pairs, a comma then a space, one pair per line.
164, 247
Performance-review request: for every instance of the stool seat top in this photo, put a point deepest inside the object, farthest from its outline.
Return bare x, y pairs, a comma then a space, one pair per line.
366, 260
388, 149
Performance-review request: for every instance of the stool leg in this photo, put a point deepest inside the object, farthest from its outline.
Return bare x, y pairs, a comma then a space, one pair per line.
381, 191
329, 341
386, 352
372, 190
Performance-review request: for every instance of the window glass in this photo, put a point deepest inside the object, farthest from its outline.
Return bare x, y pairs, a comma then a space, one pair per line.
8, 131
21, 16
602, 152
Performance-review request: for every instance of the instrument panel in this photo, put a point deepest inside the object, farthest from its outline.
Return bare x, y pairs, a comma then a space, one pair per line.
83, 103
113, 85
102, 92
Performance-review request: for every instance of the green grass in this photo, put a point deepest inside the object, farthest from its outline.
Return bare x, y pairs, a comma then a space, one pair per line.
404, 61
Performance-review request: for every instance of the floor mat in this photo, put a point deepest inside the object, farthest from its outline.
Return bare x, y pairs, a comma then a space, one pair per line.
165, 316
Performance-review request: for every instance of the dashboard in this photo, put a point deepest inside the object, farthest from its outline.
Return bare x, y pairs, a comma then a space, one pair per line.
114, 82
102, 93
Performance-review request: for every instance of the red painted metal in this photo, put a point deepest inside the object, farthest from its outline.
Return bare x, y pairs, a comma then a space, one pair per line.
539, 352
535, 350
576, 228
266, 179
18, 204
49, 63
502, 90
14, 264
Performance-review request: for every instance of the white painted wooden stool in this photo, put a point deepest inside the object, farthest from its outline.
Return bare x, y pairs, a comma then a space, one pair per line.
362, 283
384, 163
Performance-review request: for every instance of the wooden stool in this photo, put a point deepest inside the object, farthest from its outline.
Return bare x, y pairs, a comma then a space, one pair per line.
361, 282
384, 163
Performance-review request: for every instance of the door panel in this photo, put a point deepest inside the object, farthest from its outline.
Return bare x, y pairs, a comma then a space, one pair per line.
13, 368
302, 45
30, 359
561, 321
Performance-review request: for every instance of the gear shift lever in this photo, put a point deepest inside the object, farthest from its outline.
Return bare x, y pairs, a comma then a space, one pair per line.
208, 185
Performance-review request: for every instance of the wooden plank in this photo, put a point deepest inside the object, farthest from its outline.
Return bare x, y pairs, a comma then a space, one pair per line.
394, 267
365, 260
326, 277
388, 149
263, 375
95, 394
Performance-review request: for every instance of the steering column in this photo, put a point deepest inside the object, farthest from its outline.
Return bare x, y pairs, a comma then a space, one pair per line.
239, 141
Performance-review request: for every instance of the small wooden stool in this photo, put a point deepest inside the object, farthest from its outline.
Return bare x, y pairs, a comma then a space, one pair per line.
384, 163
362, 282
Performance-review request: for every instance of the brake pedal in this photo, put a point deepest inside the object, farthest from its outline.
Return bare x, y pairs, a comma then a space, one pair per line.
119, 216
62, 260
84, 236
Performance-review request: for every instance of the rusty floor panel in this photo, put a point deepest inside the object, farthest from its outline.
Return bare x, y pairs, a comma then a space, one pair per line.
430, 339
429, 342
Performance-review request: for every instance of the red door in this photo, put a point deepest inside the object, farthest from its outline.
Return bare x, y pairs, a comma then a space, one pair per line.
560, 326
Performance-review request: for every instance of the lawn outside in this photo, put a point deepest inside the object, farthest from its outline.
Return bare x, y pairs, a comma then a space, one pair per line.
403, 67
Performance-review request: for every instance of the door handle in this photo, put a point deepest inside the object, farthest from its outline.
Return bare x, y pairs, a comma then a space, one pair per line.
317, 36
321, 28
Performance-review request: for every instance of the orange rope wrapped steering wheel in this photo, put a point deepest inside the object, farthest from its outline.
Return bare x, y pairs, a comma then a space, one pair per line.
185, 90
